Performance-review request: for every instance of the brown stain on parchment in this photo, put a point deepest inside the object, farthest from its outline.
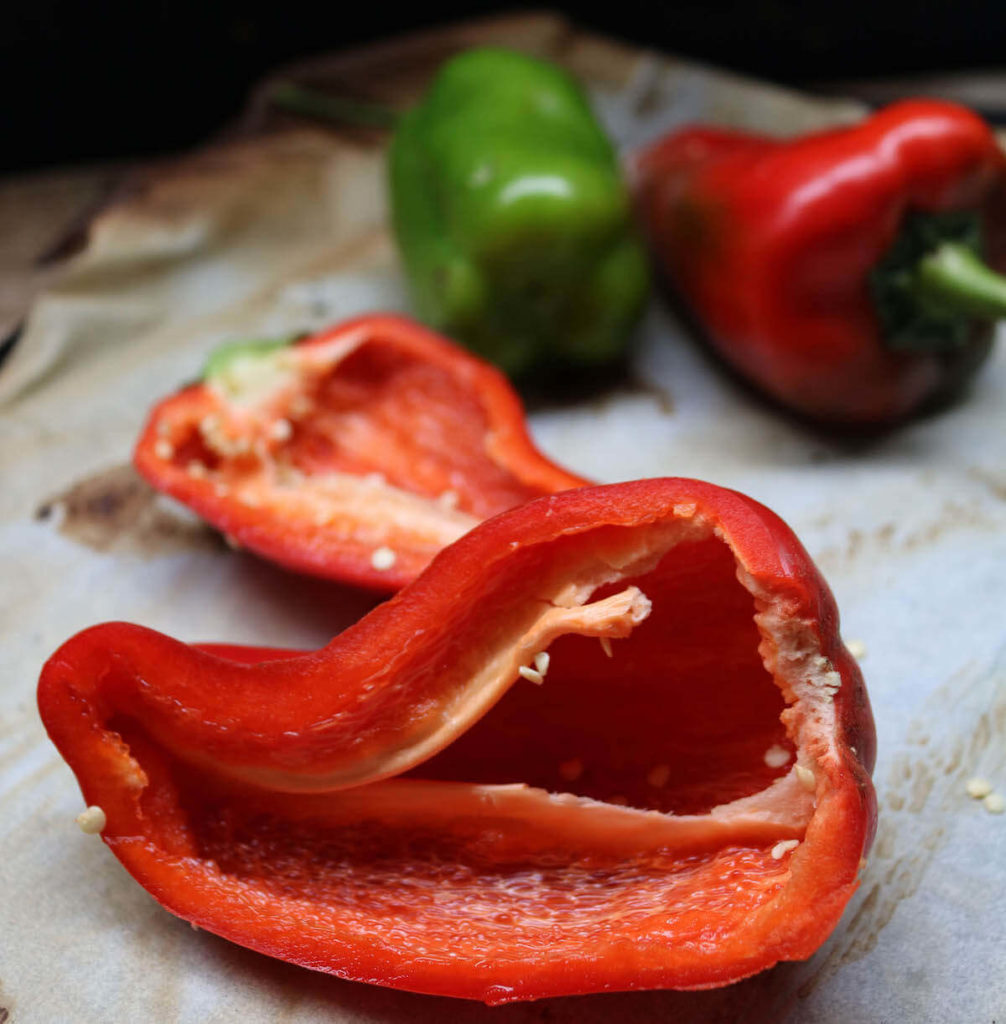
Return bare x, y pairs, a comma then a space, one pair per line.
116, 512
993, 482
116, 509
924, 785
593, 389
887, 539
638, 385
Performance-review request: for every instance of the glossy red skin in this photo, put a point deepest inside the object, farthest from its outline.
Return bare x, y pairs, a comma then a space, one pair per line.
508, 471
770, 243
241, 706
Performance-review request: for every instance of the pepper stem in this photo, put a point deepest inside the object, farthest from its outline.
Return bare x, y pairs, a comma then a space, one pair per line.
931, 290
954, 279
299, 100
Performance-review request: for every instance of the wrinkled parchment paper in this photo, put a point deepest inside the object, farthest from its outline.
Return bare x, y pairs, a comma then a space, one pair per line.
286, 231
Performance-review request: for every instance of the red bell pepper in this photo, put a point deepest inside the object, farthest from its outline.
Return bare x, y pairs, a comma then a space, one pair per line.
355, 454
839, 271
406, 807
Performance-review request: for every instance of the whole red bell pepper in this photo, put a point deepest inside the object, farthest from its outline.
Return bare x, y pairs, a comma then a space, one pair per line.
608, 740
355, 454
842, 271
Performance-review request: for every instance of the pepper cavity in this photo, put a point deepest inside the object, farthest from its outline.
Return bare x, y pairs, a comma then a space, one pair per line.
375, 436
397, 807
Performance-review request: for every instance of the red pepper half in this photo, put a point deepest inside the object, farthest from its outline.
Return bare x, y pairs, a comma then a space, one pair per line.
840, 272
466, 793
355, 454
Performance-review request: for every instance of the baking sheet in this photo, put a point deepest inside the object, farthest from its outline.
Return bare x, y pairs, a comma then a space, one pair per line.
284, 231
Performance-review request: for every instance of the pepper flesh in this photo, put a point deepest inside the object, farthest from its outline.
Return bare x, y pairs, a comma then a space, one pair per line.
772, 245
402, 808
513, 222
375, 438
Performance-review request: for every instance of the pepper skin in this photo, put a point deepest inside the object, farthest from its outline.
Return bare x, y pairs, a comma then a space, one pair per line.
788, 253
407, 807
374, 439
513, 223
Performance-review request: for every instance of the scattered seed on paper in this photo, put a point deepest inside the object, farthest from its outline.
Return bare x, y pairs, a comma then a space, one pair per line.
978, 788
92, 820
994, 803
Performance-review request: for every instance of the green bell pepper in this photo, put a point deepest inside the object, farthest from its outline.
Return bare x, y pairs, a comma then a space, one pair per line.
513, 222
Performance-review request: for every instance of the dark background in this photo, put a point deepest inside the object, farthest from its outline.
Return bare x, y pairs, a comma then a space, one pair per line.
87, 81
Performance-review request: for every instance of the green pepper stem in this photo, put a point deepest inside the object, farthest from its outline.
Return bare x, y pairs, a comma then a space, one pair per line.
299, 100
954, 279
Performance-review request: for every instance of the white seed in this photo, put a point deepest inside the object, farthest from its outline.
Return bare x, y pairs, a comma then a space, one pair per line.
164, 450
783, 847
92, 820
857, 649
978, 788
606, 646
249, 500
281, 430
806, 778
541, 660
776, 756
994, 803
449, 499
383, 558
324, 517
571, 770
831, 681
300, 405
531, 675
375, 479
658, 776
196, 470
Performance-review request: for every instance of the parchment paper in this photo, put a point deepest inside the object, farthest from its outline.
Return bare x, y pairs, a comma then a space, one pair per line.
285, 231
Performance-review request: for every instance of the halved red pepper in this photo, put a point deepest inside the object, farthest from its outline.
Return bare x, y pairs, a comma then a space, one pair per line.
841, 271
355, 454
680, 805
